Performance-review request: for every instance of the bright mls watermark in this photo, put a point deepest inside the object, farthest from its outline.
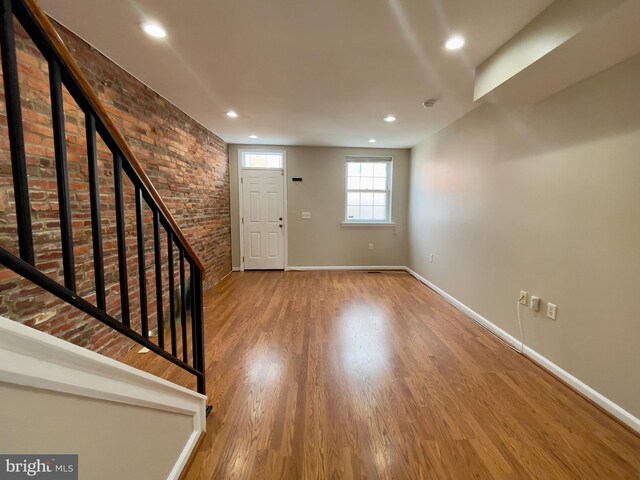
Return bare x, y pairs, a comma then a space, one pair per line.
51, 467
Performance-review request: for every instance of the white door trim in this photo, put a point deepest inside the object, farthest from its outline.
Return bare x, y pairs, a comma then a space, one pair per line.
285, 195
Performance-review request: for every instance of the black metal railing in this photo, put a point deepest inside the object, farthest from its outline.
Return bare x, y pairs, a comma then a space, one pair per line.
63, 73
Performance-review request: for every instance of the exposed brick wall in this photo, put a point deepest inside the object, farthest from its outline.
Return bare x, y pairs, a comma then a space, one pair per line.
187, 164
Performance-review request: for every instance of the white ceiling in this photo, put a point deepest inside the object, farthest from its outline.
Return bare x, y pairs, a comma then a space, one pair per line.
305, 72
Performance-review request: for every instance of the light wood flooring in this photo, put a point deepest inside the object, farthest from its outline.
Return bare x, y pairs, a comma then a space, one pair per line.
323, 375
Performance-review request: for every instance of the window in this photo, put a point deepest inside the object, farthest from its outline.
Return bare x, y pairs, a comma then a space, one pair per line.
368, 190
262, 159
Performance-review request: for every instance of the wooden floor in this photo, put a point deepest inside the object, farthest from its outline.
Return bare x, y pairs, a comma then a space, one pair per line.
316, 375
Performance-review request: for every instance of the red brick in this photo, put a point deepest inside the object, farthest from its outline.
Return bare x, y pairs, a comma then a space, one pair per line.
187, 164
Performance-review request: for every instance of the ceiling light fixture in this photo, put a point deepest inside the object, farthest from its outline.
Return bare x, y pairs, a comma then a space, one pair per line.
232, 114
372, 140
454, 43
390, 118
253, 136
154, 30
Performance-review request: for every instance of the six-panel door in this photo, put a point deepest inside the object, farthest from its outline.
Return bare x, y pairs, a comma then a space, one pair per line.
263, 206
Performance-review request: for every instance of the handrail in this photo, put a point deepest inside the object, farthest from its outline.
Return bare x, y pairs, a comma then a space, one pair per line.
51, 32
63, 71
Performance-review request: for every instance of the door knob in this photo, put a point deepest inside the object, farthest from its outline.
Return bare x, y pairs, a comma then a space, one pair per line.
280, 218
280, 225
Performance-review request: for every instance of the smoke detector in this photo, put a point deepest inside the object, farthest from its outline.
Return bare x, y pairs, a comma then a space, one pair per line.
429, 103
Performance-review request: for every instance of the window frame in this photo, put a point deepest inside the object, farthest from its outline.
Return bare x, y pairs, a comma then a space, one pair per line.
244, 153
389, 190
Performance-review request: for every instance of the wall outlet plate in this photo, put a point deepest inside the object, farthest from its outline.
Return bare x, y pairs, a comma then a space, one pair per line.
551, 310
535, 303
524, 298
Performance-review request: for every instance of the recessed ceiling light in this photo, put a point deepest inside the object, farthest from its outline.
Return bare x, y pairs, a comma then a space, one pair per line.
232, 114
154, 30
454, 43
253, 136
372, 140
389, 118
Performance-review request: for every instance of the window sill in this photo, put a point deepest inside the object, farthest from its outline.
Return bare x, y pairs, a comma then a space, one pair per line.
368, 224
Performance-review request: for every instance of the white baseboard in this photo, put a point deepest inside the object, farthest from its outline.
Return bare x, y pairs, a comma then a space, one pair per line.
375, 268
34, 359
596, 397
468, 312
235, 269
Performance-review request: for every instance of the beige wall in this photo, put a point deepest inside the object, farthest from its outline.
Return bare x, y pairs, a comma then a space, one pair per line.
112, 440
544, 198
321, 240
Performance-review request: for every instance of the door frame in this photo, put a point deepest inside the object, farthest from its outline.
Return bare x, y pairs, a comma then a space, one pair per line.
285, 230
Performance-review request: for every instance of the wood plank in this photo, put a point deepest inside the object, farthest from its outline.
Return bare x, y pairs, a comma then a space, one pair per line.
354, 375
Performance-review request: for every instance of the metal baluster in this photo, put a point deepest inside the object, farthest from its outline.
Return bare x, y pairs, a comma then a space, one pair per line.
158, 261
183, 307
122, 245
96, 225
142, 270
62, 174
198, 320
192, 300
16, 135
172, 288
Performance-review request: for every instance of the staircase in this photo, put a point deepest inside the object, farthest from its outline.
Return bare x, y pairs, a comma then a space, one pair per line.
119, 194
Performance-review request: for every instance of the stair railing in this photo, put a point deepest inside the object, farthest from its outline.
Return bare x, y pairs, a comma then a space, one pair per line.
63, 71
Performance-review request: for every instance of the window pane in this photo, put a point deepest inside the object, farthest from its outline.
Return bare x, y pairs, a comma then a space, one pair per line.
380, 170
354, 169
379, 213
354, 183
353, 198
366, 199
367, 169
366, 213
274, 162
380, 199
379, 183
353, 213
262, 160
366, 183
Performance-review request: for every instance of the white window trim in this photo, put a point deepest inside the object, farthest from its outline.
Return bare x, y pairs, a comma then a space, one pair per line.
369, 223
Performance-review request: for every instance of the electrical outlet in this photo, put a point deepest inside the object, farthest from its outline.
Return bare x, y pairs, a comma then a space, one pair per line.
371, 246
535, 303
551, 310
524, 297
431, 257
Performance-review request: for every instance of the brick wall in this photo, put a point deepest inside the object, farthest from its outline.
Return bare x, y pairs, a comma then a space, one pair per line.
187, 164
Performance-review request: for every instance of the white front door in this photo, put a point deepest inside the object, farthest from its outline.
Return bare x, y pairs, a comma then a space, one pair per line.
263, 218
